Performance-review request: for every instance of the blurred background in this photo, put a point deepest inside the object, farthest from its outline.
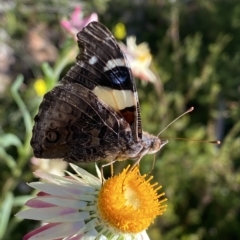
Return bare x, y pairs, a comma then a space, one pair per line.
191, 57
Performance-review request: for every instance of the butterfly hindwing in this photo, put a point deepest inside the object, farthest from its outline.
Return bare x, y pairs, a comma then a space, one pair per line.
73, 124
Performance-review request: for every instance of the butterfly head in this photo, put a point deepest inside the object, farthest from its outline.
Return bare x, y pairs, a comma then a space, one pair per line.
152, 143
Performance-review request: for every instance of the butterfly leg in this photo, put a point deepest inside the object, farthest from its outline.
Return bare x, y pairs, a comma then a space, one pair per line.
138, 158
111, 169
153, 164
137, 161
105, 165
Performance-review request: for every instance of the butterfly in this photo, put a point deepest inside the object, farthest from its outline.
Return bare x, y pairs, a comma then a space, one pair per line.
93, 113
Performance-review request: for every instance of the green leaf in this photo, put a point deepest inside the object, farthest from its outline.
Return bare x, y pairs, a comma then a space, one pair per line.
48, 75
26, 116
10, 139
5, 212
8, 159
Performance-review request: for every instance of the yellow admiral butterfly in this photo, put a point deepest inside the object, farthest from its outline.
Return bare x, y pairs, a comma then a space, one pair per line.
93, 114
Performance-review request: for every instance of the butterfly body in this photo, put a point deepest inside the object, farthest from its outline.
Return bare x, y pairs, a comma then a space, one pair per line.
93, 114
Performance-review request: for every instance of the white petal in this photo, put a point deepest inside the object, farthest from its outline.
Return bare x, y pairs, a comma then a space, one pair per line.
92, 234
63, 202
103, 238
143, 236
71, 217
40, 213
59, 231
51, 177
54, 214
61, 180
98, 172
89, 226
61, 191
128, 237
86, 175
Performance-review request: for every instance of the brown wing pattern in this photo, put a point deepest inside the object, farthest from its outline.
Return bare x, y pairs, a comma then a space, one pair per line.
75, 121
73, 124
98, 47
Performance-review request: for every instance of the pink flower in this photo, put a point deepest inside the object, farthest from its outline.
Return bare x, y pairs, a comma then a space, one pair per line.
77, 22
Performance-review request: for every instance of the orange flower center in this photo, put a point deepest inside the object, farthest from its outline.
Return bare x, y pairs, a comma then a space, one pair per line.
129, 203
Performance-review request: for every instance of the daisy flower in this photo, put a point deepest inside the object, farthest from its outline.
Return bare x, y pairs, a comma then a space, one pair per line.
77, 22
140, 58
81, 207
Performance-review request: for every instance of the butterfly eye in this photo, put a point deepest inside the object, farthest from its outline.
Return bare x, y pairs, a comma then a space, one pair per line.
52, 136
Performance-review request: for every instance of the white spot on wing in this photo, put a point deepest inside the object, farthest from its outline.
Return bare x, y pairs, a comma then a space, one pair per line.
124, 98
118, 62
118, 99
93, 60
105, 94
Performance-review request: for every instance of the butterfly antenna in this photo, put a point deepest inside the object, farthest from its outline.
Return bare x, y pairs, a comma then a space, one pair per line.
187, 139
196, 140
188, 111
153, 163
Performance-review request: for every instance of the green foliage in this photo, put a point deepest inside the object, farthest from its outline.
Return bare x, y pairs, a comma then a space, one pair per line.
196, 54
